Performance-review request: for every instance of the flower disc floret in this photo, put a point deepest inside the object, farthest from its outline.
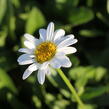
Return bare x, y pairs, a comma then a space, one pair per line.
45, 51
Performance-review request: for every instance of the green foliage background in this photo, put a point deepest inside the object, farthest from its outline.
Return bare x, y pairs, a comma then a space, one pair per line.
88, 21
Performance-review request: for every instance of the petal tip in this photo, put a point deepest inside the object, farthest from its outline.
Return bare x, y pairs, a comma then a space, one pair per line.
51, 23
76, 40
41, 83
18, 60
23, 77
75, 50
26, 34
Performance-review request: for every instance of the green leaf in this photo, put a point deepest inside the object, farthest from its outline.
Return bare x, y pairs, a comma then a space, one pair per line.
60, 104
87, 106
91, 33
102, 18
100, 72
88, 72
66, 93
56, 102
35, 20
6, 82
80, 16
108, 6
76, 72
49, 98
75, 61
11, 20
67, 2
24, 16
12, 25
82, 74
3, 7
90, 3
65, 5
36, 102
61, 1
16, 3
92, 92
3, 35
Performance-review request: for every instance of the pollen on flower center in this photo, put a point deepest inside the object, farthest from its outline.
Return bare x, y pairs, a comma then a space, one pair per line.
45, 51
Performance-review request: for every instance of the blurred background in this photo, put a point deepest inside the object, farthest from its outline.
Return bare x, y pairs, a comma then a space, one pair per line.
88, 20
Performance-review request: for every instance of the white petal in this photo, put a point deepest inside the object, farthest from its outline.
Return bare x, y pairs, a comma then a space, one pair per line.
30, 37
59, 54
58, 34
65, 61
44, 65
50, 31
55, 63
58, 41
48, 71
42, 33
29, 45
25, 59
26, 50
69, 41
41, 76
27, 62
67, 50
29, 71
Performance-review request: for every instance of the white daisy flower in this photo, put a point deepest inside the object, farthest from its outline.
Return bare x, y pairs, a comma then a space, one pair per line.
49, 51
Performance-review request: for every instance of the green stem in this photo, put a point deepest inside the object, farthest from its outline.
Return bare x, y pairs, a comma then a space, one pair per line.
71, 88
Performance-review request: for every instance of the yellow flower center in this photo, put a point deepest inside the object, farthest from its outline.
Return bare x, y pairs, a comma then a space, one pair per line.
45, 51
